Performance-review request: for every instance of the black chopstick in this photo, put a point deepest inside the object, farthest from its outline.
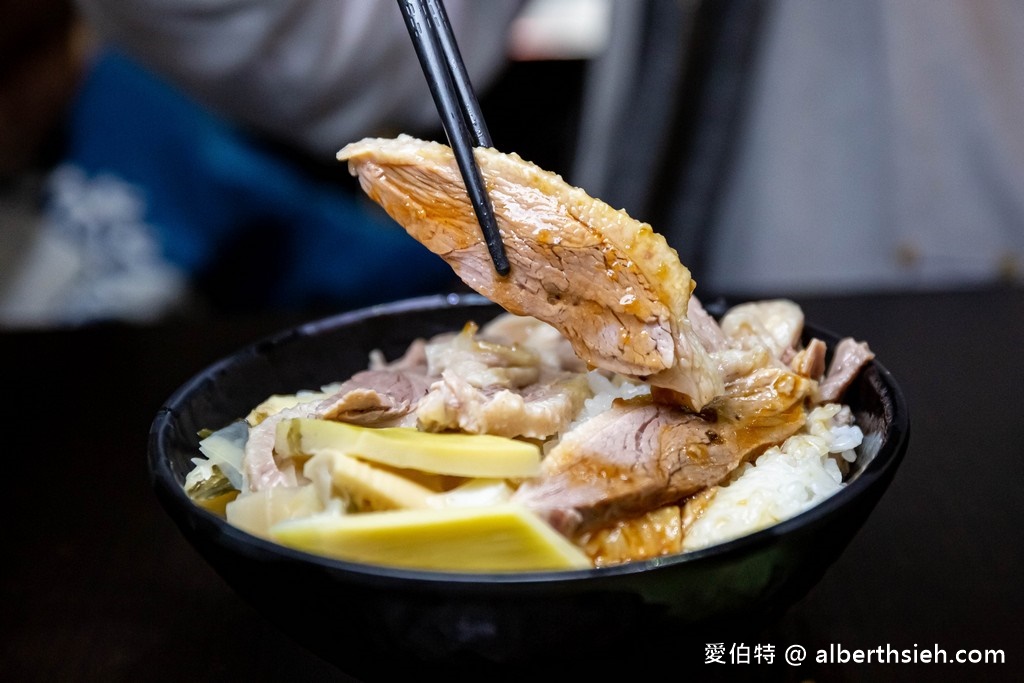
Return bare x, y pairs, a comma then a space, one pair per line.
468, 103
456, 102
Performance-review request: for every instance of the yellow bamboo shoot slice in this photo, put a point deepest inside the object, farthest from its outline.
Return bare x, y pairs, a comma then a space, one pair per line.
463, 455
497, 538
369, 488
275, 403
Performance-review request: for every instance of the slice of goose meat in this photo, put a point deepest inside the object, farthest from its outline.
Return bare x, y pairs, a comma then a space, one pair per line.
609, 283
641, 455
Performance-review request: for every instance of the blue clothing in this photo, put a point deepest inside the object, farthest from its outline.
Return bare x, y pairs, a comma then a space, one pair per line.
212, 195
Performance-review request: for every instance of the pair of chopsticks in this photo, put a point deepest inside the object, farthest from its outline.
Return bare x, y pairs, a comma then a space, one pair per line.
456, 102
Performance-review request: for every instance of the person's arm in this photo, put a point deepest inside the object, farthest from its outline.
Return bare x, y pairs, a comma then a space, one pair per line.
317, 73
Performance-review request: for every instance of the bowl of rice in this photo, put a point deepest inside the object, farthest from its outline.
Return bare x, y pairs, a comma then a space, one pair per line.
768, 534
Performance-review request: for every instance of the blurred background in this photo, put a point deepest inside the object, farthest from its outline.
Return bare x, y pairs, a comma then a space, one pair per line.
162, 160
169, 193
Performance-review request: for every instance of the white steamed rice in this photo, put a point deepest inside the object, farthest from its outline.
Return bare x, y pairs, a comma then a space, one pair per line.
782, 482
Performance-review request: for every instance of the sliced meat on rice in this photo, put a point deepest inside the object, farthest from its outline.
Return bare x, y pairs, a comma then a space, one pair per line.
776, 324
481, 362
260, 469
413, 360
810, 361
641, 455
488, 387
554, 349
536, 411
848, 358
377, 398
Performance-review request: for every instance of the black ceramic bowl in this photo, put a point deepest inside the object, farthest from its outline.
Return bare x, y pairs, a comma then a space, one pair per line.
375, 622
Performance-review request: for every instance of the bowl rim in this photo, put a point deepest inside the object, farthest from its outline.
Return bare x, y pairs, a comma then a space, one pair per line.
180, 507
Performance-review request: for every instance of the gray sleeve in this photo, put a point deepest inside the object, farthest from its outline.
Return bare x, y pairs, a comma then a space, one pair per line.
317, 73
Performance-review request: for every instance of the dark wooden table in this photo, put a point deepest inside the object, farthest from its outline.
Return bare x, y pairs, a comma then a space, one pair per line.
98, 585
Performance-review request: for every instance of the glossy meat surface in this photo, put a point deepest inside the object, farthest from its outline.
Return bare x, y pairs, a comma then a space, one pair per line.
609, 283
